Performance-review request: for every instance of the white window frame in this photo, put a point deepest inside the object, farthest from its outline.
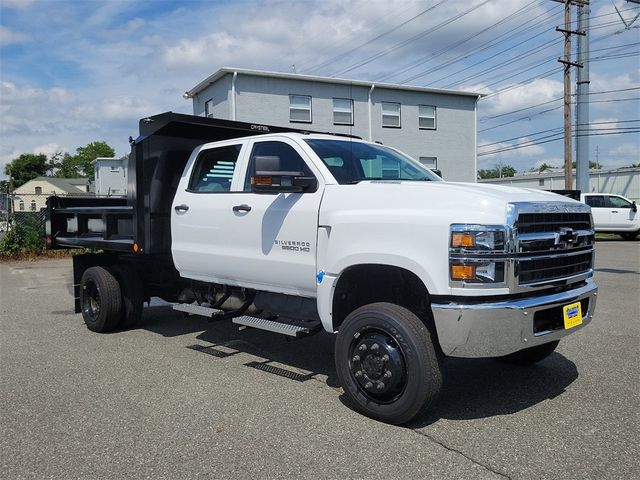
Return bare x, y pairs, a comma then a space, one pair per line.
342, 109
208, 108
391, 114
423, 161
299, 108
428, 117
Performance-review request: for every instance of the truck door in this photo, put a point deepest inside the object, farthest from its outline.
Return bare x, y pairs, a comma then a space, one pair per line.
202, 242
275, 234
622, 214
599, 210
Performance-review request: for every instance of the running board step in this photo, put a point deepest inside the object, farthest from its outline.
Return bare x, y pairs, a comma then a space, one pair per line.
276, 327
196, 309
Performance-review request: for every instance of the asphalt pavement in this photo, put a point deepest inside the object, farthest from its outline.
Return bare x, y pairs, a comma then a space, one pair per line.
178, 397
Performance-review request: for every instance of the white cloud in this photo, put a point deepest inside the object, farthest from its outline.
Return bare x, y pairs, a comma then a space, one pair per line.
9, 37
16, 3
49, 149
631, 150
534, 93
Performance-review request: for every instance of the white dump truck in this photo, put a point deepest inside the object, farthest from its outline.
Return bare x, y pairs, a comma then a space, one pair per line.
295, 232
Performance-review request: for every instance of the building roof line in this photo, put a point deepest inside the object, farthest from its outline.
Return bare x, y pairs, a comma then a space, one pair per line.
313, 78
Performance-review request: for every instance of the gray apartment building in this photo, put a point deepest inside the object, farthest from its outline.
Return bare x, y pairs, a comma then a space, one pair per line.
436, 127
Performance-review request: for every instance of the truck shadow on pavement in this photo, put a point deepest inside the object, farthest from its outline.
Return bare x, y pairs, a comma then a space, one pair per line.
481, 388
473, 388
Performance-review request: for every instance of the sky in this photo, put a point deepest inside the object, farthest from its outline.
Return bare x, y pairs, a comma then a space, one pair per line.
73, 72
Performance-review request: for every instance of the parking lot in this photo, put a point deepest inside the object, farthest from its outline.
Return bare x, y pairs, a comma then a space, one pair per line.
178, 397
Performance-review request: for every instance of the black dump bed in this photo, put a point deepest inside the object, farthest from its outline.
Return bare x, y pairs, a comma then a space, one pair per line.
140, 223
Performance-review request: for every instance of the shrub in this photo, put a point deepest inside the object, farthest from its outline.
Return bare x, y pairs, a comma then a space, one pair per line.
25, 237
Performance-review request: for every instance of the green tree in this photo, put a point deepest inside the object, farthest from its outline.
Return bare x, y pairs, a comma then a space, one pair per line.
498, 172
87, 154
592, 165
79, 165
544, 166
26, 167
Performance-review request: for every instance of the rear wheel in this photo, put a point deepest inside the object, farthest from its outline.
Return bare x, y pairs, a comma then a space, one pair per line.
531, 355
387, 364
100, 299
132, 291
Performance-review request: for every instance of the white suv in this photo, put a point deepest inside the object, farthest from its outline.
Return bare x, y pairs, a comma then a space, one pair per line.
613, 213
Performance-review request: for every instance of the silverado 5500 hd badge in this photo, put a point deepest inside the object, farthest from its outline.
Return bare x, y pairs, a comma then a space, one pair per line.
293, 245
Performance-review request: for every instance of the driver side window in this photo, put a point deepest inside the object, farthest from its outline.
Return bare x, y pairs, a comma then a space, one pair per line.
290, 160
617, 202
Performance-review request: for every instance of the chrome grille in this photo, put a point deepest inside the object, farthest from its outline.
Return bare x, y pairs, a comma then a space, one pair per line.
552, 243
551, 222
545, 269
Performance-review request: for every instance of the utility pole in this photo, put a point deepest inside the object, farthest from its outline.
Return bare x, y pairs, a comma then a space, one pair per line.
582, 101
568, 158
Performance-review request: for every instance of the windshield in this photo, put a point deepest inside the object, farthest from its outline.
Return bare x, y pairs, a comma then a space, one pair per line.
352, 162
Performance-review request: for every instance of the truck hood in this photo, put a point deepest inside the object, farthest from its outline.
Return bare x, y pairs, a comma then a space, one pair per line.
448, 202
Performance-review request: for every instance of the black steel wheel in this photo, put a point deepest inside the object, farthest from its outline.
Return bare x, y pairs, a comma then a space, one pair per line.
387, 363
100, 299
132, 291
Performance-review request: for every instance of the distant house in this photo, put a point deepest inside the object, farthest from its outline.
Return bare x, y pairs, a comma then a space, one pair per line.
32, 196
111, 175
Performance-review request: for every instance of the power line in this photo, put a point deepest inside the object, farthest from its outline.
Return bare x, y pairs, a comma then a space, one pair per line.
410, 40
426, 58
377, 37
494, 42
629, 99
483, 119
560, 136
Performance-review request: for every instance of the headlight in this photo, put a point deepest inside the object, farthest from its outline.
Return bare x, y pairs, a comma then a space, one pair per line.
471, 271
477, 238
472, 249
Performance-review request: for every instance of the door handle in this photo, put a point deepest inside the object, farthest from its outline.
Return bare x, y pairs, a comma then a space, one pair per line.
242, 208
614, 211
181, 208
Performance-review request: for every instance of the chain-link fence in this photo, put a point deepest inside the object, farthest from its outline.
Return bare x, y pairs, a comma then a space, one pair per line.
22, 223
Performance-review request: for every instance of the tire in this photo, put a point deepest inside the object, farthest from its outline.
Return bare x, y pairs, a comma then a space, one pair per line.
412, 377
630, 235
132, 291
531, 355
100, 299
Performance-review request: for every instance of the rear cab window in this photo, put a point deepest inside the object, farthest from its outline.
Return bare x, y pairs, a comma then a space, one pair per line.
214, 169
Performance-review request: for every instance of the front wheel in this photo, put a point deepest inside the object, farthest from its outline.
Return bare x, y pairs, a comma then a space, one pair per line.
387, 364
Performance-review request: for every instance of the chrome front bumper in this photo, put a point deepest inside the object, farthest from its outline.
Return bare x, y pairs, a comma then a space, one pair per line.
498, 328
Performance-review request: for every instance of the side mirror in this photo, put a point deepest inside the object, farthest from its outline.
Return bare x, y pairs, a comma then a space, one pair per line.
268, 177
437, 172
634, 207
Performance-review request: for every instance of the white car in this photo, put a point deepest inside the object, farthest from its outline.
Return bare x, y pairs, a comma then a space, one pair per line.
613, 213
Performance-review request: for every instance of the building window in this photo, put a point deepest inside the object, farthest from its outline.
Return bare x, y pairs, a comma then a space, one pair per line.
300, 108
342, 111
426, 117
429, 162
208, 108
21, 205
391, 115
541, 182
115, 169
33, 205
38, 190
